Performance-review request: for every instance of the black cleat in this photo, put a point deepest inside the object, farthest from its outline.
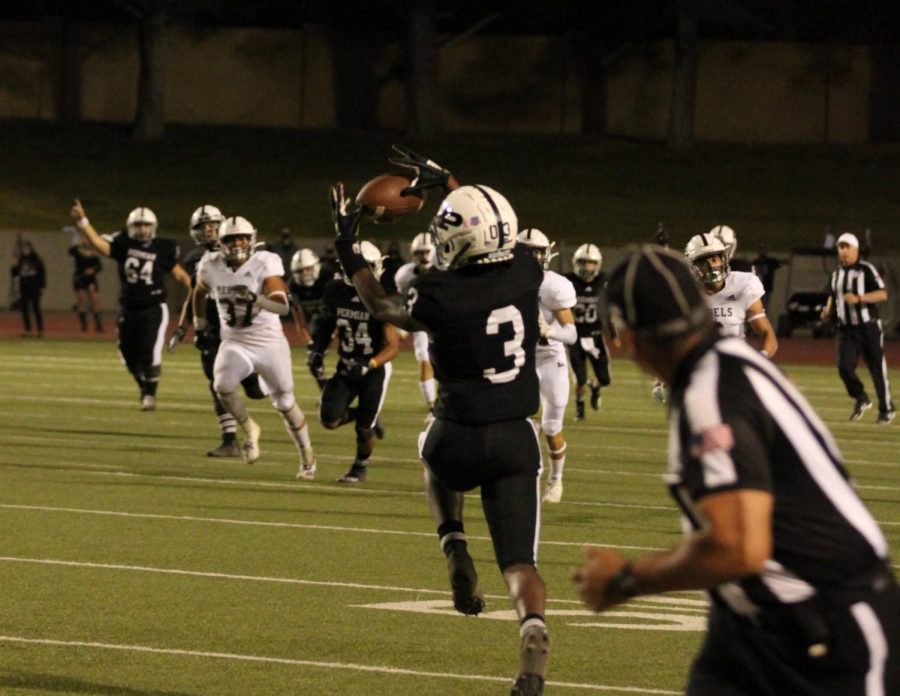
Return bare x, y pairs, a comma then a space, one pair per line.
859, 408
467, 598
528, 685
885, 417
579, 410
357, 474
226, 449
378, 428
595, 397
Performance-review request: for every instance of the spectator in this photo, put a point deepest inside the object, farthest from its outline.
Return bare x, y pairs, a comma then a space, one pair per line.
84, 282
28, 268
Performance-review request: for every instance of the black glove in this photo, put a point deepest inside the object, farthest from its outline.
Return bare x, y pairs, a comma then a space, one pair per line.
346, 224
202, 340
175, 338
428, 173
315, 361
355, 369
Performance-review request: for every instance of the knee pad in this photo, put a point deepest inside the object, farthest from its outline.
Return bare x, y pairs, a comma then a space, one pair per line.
283, 400
551, 427
364, 434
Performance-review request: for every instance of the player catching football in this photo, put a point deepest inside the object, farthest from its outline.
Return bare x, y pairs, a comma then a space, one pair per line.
482, 317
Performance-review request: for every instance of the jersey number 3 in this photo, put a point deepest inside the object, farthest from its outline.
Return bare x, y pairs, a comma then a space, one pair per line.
511, 348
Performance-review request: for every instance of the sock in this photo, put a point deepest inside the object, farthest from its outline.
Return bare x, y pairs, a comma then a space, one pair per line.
228, 426
296, 426
82, 319
234, 402
451, 533
429, 392
557, 464
530, 620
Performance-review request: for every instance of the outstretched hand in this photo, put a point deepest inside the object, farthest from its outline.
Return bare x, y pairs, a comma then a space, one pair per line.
346, 221
428, 173
77, 211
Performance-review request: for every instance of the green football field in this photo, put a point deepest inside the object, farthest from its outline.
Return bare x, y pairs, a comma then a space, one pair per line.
133, 564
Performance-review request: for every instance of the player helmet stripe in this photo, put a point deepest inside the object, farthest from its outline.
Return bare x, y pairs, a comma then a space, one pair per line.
141, 216
237, 226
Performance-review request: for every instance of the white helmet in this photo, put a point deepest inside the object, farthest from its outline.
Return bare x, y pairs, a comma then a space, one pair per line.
587, 261
728, 238
305, 267
373, 256
699, 250
201, 216
422, 250
474, 225
141, 216
538, 243
236, 226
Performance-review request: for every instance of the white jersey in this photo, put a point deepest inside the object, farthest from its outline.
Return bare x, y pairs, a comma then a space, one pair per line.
556, 292
405, 274
242, 321
729, 305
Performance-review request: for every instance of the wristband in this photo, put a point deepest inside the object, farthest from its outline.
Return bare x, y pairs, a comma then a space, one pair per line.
82, 223
625, 582
200, 324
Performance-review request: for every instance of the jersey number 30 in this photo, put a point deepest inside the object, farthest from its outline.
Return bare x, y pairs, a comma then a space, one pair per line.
511, 348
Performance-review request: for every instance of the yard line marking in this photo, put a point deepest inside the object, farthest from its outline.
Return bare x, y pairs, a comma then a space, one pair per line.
289, 525
314, 663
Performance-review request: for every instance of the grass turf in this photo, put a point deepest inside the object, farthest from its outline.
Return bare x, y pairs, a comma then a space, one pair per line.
575, 188
133, 564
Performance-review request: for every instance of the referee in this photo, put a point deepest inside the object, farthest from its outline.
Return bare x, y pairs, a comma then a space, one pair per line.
803, 598
856, 290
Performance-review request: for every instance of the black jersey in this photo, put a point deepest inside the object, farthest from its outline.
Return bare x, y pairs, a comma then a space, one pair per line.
142, 269
360, 335
87, 266
191, 261
588, 304
484, 328
309, 298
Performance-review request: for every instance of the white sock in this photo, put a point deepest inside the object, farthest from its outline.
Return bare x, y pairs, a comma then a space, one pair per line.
429, 393
557, 463
227, 424
296, 426
234, 402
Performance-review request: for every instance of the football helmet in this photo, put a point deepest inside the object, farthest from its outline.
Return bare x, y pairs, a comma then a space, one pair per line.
141, 216
229, 230
201, 216
587, 261
699, 250
728, 238
373, 256
305, 267
538, 245
422, 250
474, 225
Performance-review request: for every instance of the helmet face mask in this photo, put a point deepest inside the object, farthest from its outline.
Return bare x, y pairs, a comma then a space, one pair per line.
205, 223
305, 267
587, 261
701, 251
587, 270
474, 225
142, 224
237, 237
422, 250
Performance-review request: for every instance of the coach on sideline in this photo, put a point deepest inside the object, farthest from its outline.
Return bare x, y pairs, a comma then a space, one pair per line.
856, 290
803, 598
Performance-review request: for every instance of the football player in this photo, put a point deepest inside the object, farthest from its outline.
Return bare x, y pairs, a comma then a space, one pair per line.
204, 230
557, 297
422, 251
143, 259
734, 297
248, 288
482, 317
307, 285
591, 345
366, 347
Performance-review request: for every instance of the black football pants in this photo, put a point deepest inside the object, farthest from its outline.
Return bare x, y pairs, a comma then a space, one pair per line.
866, 341
142, 333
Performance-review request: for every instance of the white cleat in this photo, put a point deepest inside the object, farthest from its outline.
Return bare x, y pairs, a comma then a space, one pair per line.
553, 492
307, 468
148, 403
251, 441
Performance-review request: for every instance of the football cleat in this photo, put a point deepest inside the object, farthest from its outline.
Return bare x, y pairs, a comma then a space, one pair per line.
579, 410
595, 396
467, 598
533, 656
553, 492
886, 417
148, 402
251, 442
659, 392
357, 474
307, 468
226, 449
859, 408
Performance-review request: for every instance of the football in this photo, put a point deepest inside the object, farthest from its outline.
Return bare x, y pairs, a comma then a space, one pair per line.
381, 198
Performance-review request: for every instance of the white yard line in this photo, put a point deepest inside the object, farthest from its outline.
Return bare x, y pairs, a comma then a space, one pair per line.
237, 657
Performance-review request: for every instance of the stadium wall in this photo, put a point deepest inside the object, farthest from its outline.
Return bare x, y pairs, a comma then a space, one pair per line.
746, 92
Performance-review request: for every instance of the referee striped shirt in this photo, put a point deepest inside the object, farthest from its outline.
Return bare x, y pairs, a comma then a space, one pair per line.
859, 279
737, 423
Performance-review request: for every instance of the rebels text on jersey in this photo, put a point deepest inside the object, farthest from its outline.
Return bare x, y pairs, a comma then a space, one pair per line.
360, 335
556, 293
142, 269
729, 305
242, 320
587, 304
484, 328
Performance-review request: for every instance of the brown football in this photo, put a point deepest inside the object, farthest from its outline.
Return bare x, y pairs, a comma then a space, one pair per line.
382, 200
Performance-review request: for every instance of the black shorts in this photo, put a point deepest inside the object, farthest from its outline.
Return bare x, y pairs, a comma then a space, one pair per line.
504, 459
341, 390
85, 282
739, 658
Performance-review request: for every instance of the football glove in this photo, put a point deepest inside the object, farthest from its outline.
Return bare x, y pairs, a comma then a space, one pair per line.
346, 221
428, 173
356, 369
175, 338
202, 340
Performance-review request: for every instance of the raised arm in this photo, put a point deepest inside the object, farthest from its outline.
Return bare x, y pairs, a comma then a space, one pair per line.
82, 222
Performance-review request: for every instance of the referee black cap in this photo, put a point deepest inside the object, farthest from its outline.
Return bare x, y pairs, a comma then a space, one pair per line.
654, 293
